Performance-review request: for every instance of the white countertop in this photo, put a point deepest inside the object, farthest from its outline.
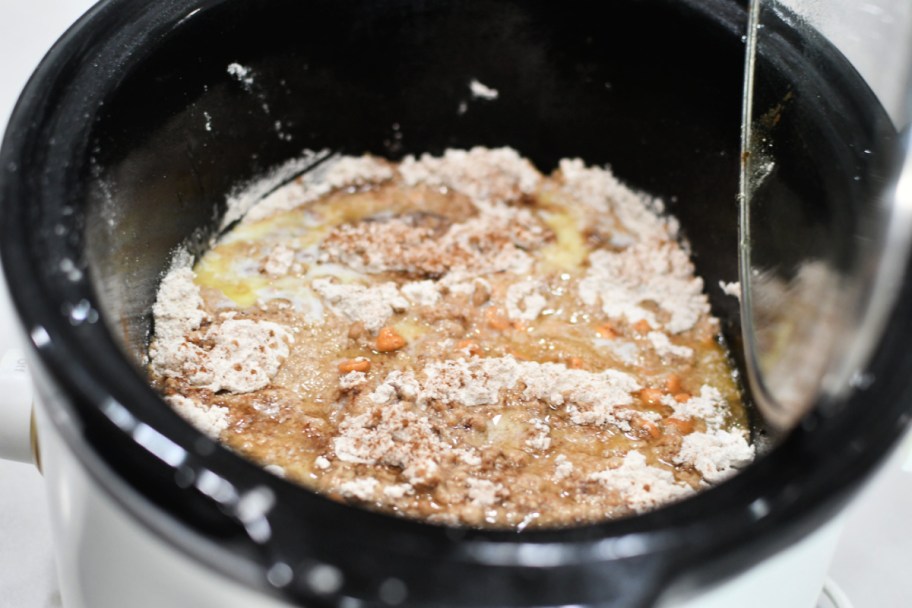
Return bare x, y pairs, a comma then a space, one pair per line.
873, 563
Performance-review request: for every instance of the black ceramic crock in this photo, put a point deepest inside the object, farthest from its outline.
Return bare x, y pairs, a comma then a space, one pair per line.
132, 132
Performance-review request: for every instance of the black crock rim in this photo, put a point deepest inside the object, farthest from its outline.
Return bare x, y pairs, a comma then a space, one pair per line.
777, 500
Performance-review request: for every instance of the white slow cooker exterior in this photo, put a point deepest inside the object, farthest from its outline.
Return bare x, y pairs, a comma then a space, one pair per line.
107, 559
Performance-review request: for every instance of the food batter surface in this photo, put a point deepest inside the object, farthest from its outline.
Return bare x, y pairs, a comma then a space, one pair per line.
459, 339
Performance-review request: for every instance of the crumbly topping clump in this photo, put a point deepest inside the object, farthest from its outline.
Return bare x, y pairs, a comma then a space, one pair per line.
428, 246
662, 274
482, 174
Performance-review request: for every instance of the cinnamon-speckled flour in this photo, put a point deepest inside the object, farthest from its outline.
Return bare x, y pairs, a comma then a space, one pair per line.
457, 338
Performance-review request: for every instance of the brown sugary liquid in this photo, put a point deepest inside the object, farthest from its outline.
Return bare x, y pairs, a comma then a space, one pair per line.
339, 419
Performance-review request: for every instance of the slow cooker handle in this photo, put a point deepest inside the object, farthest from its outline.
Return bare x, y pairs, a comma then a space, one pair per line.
16, 422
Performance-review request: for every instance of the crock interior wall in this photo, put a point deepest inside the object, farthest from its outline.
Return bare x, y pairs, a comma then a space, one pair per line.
651, 87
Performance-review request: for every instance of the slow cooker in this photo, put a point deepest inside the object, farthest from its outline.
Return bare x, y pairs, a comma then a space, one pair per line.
134, 131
